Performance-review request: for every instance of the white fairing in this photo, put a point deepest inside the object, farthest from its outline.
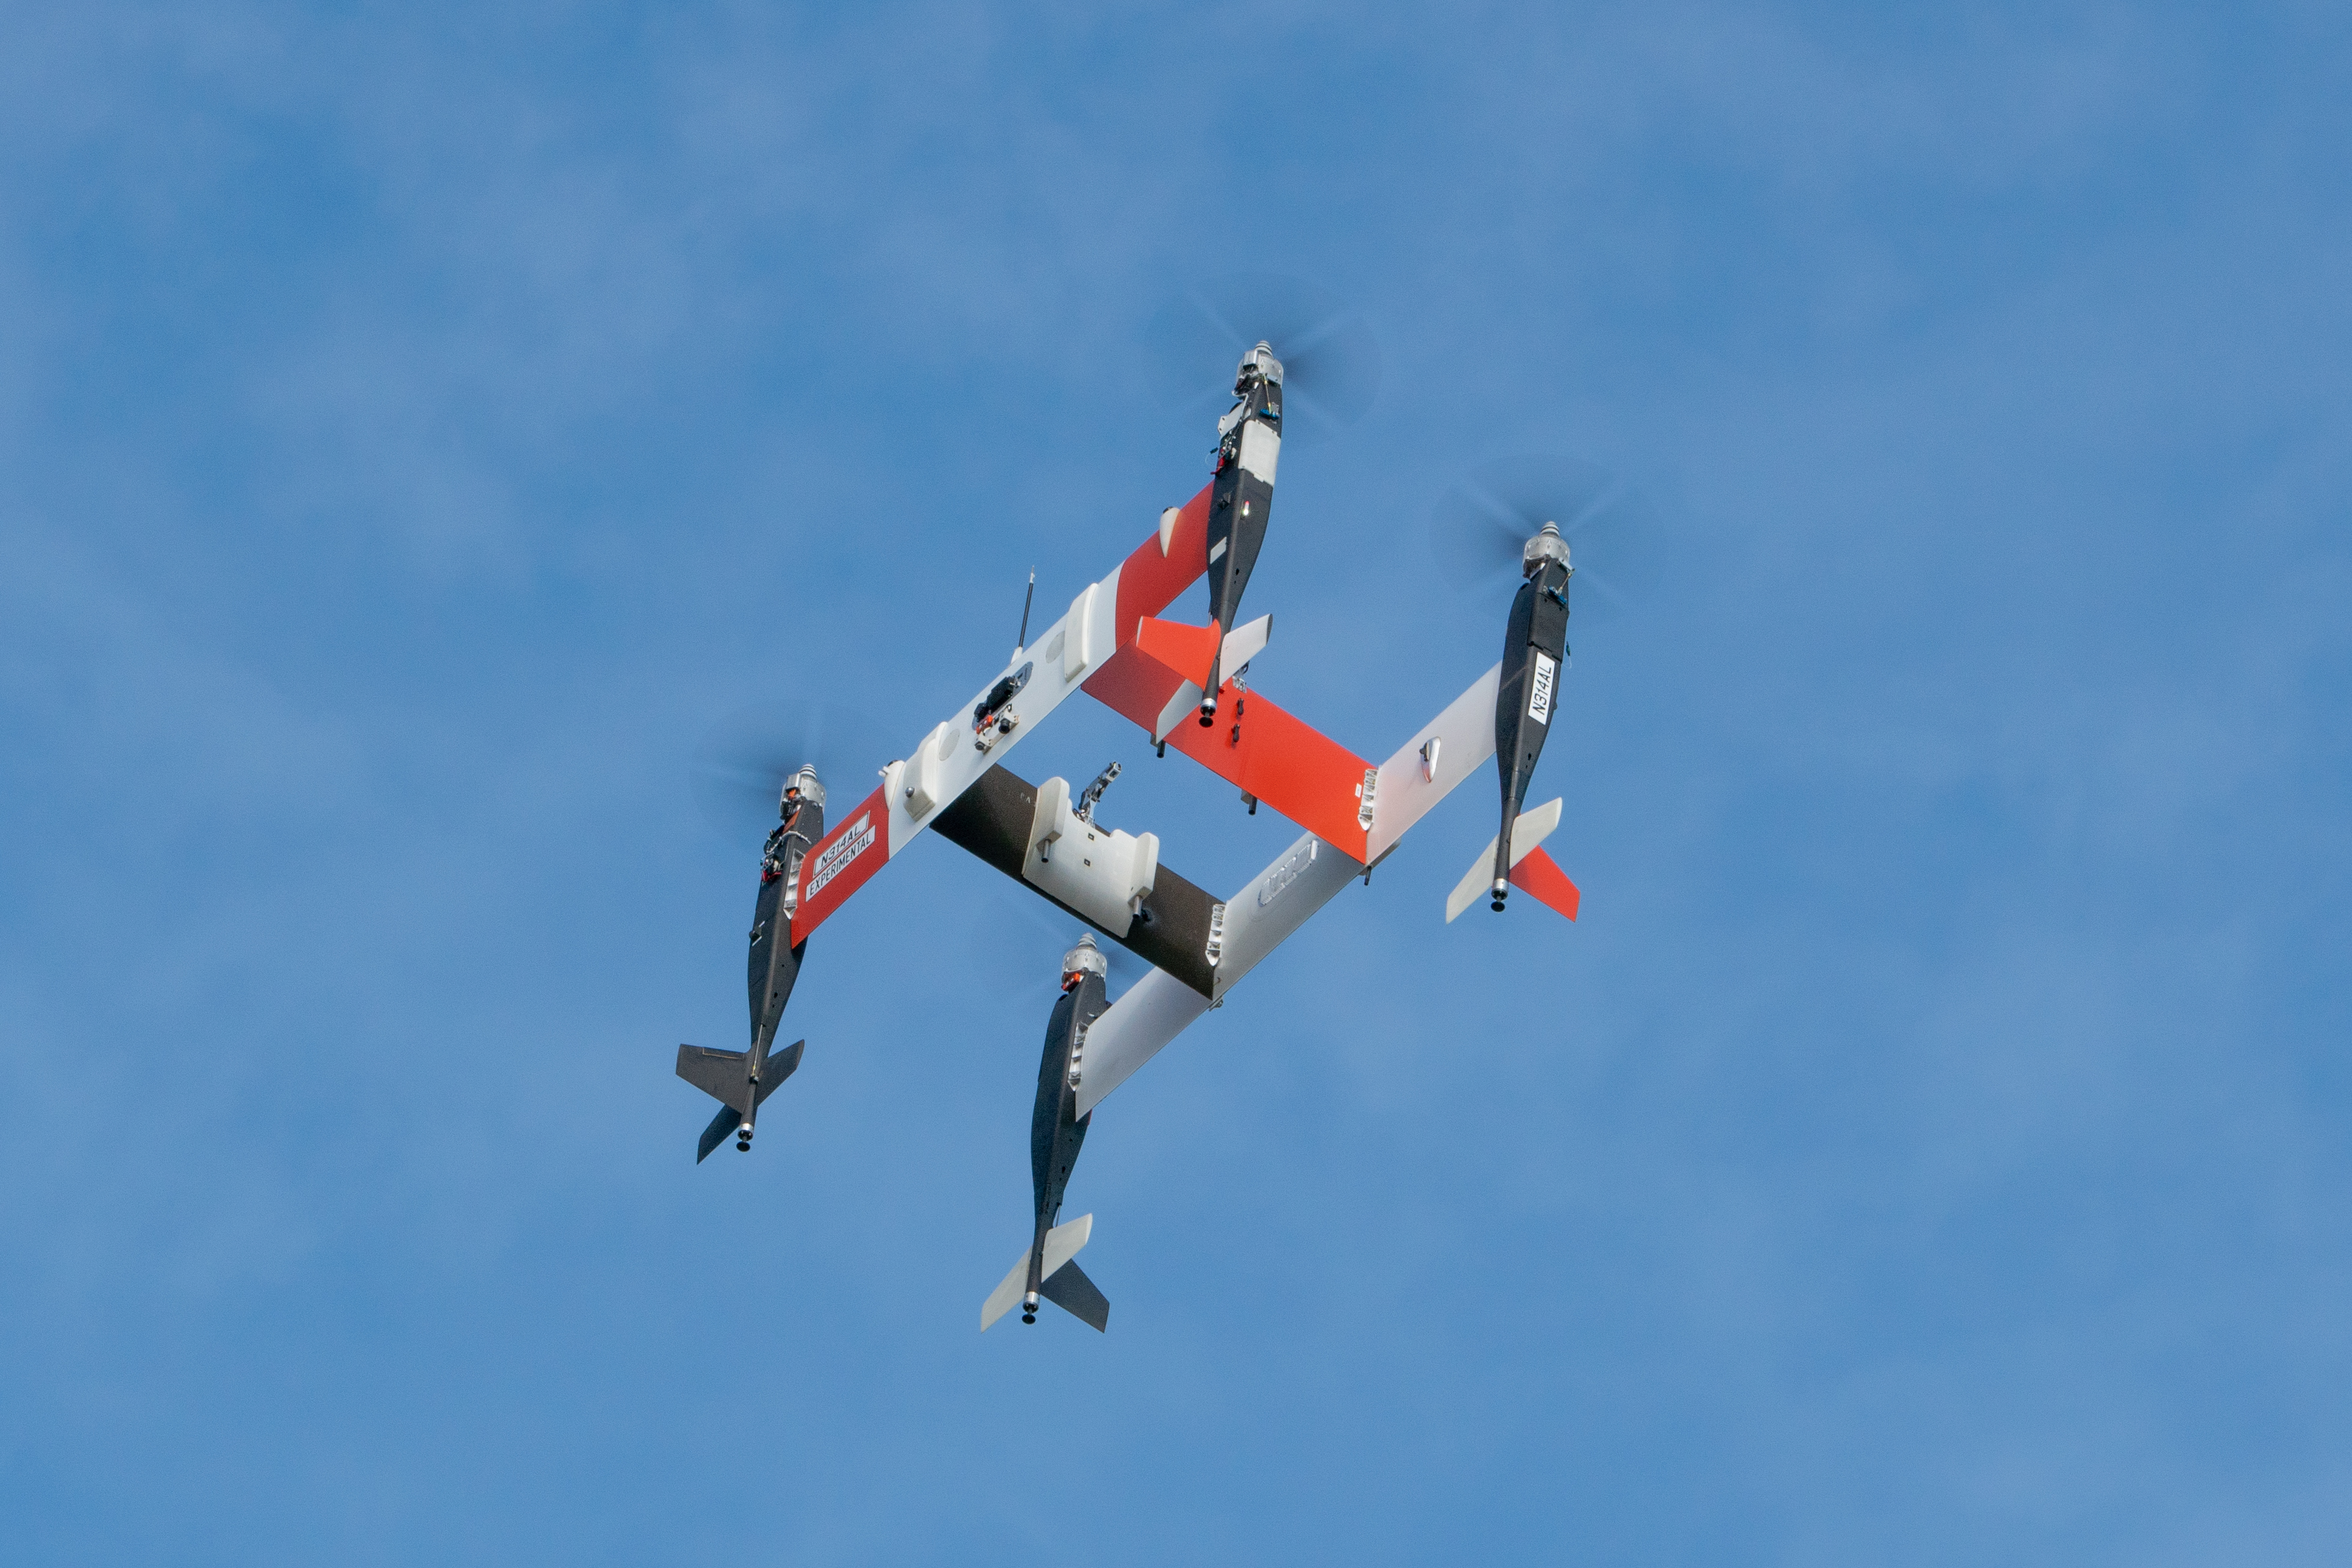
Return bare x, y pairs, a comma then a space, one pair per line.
1261, 450
1100, 872
1415, 779
948, 763
1062, 1244
1532, 828
1088, 631
920, 780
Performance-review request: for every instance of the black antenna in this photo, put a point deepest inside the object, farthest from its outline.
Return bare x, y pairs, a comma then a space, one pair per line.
1025, 600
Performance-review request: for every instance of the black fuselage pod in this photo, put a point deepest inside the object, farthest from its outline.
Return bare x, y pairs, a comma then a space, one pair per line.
1240, 501
775, 960
1055, 1129
1533, 649
741, 1080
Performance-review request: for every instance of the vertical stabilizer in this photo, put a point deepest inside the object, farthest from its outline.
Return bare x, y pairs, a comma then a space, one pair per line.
1062, 1244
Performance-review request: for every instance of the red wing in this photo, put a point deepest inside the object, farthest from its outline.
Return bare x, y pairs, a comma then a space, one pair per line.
1254, 745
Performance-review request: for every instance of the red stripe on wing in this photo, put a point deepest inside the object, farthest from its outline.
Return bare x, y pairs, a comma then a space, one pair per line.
1141, 678
841, 863
1285, 762
1148, 582
1254, 744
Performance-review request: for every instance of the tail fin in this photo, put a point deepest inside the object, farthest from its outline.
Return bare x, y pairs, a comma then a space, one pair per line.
723, 1124
1539, 876
1069, 1289
740, 1081
1062, 1245
1531, 829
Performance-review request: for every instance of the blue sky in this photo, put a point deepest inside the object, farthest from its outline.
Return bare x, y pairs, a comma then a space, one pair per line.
419, 429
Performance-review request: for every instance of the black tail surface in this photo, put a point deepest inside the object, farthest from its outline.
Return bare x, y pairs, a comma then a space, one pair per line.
1068, 1288
739, 1080
722, 1126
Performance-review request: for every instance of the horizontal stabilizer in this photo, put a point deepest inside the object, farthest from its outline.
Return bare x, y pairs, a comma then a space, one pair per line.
780, 1066
1532, 828
1062, 1244
732, 1078
1068, 1288
740, 1081
1542, 880
722, 1127
1182, 704
1245, 642
1006, 1295
723, 1074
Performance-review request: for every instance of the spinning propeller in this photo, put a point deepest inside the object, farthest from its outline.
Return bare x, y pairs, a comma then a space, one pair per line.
1332, 362
1020, 939
739, 769
1481, 526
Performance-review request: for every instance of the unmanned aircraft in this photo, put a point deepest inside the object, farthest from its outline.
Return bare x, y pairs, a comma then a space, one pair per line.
1112, 644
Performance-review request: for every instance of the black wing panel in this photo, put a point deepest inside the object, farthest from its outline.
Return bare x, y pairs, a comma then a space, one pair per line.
991, 821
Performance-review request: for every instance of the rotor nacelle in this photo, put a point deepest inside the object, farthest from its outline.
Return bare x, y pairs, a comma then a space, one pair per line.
1082, 960
1258, 365
1545, 548
802, 786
